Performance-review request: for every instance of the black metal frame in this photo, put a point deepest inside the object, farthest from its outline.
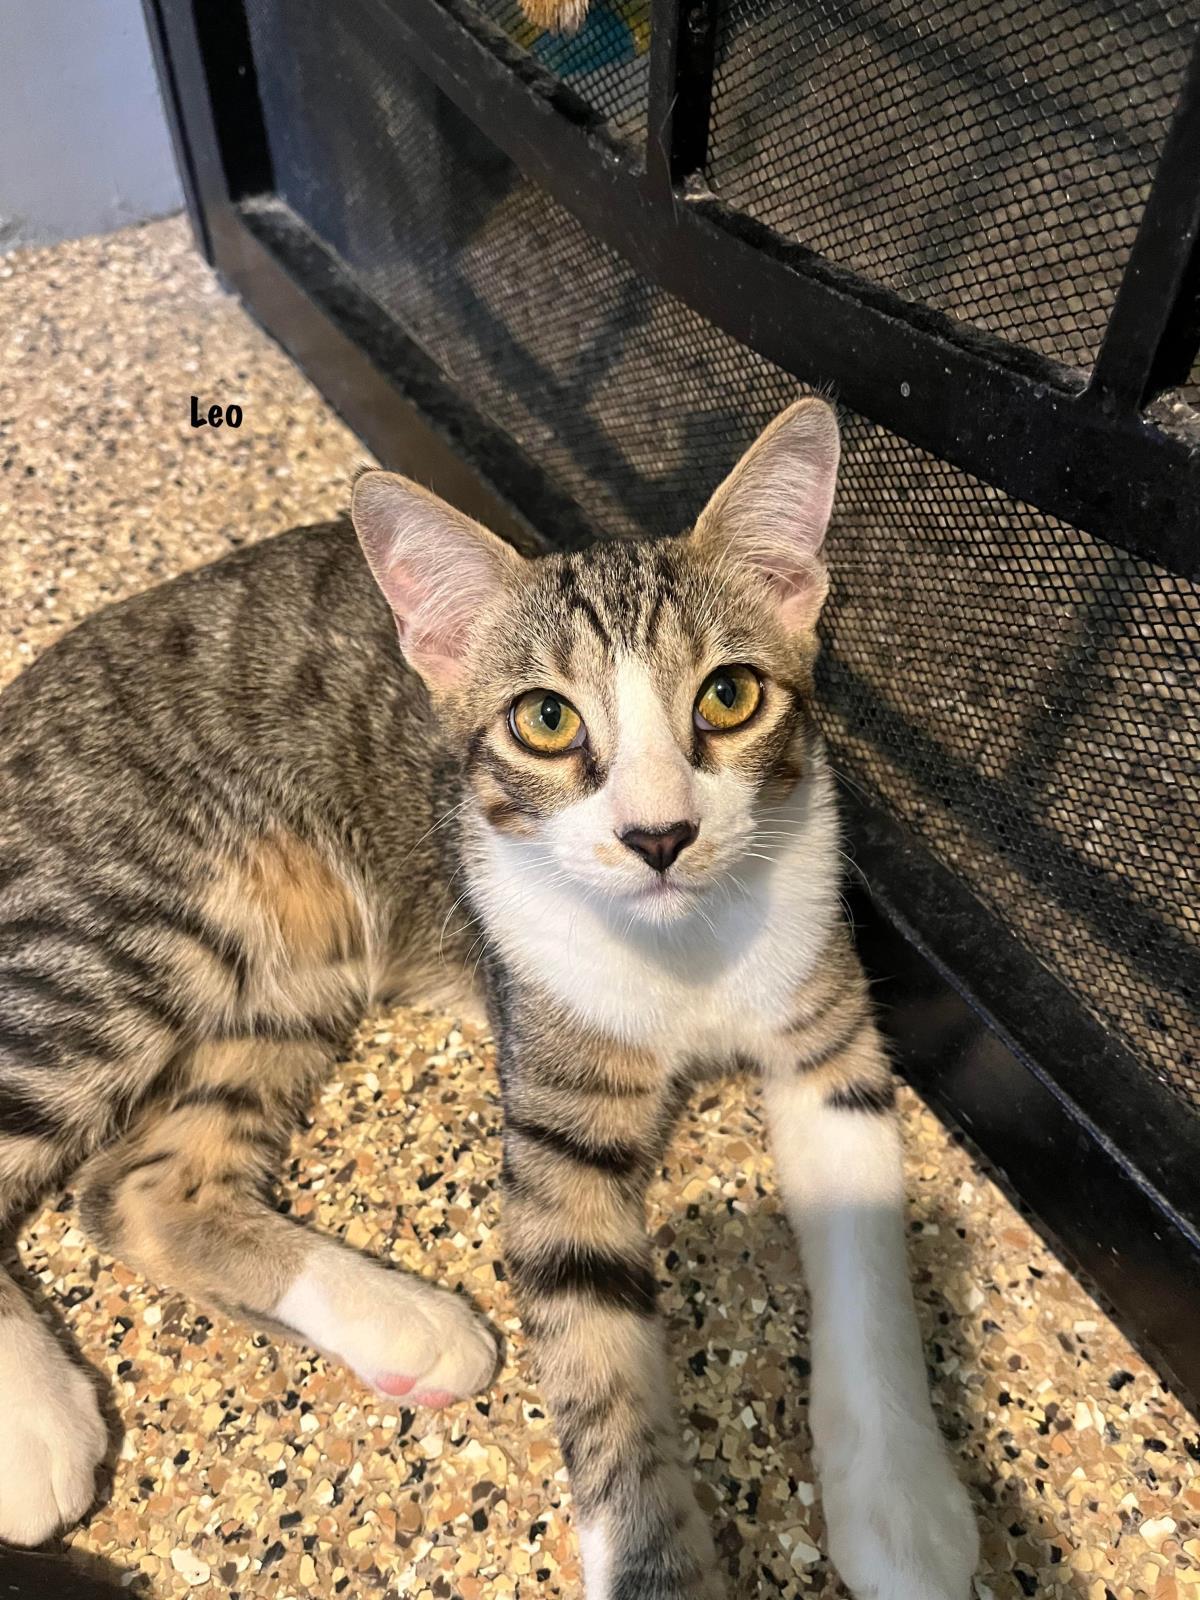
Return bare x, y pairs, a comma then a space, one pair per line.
986, 1034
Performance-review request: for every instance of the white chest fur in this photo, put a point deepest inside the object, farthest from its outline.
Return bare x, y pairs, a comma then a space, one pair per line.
720, 980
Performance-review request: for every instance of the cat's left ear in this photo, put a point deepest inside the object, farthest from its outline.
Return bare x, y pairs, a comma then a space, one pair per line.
772, 510
440, 572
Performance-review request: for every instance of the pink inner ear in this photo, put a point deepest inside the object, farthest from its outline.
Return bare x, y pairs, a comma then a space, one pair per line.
429, 626
416, 608
405, 592
801, 591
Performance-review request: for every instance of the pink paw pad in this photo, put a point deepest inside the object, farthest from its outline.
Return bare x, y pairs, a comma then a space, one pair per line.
435, 1398
394, 1383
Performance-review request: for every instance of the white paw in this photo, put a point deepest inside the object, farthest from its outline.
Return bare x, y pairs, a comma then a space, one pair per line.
52, 1437
909, 1535
403, 1337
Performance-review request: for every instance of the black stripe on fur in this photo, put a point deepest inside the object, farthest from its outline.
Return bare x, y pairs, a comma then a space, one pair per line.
872, 1097
617, 1160
621, 1282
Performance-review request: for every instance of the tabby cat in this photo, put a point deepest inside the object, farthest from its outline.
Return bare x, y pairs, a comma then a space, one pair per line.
234, 814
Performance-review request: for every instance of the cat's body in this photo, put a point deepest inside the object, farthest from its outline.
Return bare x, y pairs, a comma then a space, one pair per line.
231, 816
265, 692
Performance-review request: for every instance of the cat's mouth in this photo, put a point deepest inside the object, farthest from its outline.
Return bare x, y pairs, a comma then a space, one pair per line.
663, 898
660, 886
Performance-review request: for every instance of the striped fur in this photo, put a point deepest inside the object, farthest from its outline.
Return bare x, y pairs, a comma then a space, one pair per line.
232, 814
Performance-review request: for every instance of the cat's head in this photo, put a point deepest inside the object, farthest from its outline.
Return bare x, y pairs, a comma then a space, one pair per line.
632, 715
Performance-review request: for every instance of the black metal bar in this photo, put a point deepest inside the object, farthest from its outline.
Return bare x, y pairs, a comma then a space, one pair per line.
992, 1061
1007, 415
179, 123
1153, 332
683, 37
223, 34
210, 90
177, 46
1179, 348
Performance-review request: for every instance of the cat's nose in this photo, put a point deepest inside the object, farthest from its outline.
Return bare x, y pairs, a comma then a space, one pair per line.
658, 847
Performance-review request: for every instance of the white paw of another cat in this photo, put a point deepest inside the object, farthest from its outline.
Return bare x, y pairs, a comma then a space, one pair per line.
403, 1337
908, 1536
52, 1437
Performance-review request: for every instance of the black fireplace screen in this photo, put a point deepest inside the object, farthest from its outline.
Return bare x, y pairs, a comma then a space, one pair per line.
609, 260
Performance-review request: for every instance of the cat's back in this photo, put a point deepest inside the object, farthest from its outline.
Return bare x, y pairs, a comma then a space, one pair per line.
255, 609
275, 668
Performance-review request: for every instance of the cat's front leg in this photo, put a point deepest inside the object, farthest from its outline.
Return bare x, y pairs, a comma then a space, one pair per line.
581, 1138
900, 1525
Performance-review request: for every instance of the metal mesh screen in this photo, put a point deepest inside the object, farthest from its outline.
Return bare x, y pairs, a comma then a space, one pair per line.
1023, 697
607, 61
980, 156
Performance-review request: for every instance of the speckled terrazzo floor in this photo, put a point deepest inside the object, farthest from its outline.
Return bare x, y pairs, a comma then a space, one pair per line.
252, 1468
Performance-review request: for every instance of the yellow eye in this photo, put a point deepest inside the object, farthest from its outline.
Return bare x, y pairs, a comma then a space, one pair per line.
545, 722
730, 696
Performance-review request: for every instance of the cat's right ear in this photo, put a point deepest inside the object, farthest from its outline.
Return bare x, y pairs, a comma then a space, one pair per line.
439, 571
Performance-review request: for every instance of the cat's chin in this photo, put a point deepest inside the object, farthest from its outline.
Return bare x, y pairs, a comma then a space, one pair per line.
662, 902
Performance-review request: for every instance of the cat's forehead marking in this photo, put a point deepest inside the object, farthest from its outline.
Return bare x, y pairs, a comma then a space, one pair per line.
618, 591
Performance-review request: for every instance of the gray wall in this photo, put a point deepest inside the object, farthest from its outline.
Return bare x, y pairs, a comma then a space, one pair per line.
83, 143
